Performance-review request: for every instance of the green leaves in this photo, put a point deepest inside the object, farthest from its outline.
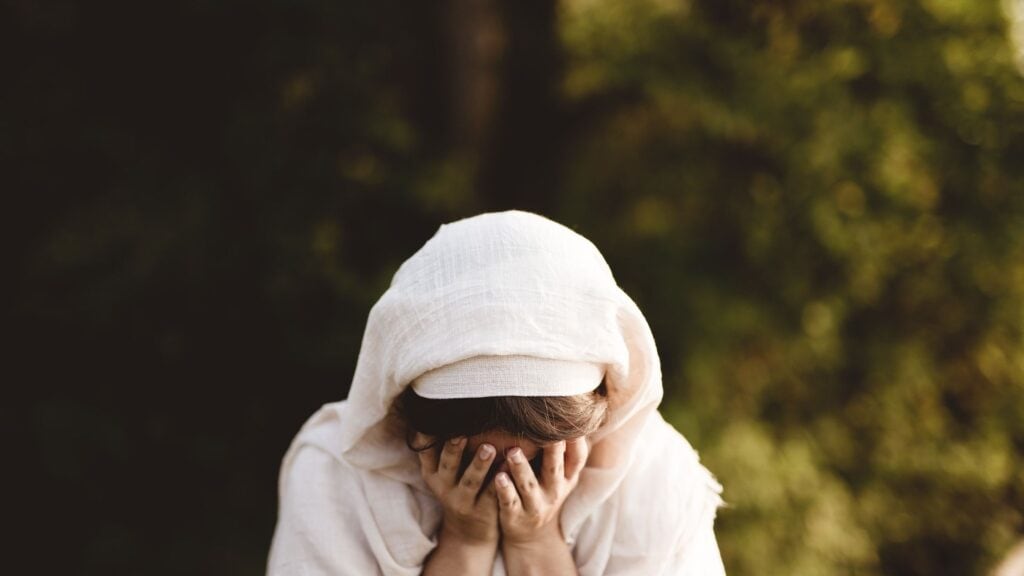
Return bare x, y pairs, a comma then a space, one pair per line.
824, 223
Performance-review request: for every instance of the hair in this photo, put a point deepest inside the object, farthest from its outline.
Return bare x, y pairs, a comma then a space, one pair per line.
541, 419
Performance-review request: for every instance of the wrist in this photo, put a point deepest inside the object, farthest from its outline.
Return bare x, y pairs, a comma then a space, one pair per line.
457, 554
467, 538
540, 539
548, 553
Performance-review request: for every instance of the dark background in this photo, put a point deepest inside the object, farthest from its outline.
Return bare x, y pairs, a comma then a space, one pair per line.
818, 205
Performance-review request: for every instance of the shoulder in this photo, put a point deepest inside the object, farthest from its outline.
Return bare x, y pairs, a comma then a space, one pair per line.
312, 469
664, 458
312, 474
668, 497
318, 529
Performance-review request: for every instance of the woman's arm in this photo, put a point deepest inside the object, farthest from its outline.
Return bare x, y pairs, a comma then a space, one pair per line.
318, 532
702, 557
549, 554
529, 510
456, 555
468, 539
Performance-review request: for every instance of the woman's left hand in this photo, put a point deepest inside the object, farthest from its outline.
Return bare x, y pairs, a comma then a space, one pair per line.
528, 510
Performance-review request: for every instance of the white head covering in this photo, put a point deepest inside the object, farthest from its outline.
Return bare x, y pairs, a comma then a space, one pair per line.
485, 294
511, 375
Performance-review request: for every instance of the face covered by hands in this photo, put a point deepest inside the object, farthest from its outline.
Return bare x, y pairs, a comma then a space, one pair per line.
497, 486
528, 505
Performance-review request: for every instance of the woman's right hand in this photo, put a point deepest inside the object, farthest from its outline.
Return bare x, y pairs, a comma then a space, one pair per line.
470, 514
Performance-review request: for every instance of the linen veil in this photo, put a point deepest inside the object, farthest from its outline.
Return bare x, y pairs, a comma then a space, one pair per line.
351, 499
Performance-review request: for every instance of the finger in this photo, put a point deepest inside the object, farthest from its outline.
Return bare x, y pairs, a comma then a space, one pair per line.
451, 455
508, 498
473, 477
428, 456
554, 463
576, 452
488, 500
525, 480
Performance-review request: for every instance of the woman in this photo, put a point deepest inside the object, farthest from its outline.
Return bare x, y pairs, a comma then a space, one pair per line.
503, 341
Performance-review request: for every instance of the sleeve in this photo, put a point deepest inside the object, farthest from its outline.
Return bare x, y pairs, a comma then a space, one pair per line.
703, 558
680, 535
317, 532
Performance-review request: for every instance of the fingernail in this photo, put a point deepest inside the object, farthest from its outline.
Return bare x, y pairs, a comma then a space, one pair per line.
501, 479
456, 441
486, 451
516, 455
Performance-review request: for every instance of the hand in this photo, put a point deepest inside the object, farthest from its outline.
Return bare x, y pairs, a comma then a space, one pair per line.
528, 509
470, 514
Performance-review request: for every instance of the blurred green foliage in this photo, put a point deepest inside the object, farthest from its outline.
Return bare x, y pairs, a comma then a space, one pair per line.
819, 206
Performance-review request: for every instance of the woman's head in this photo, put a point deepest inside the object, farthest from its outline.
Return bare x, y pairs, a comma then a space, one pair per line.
508, 284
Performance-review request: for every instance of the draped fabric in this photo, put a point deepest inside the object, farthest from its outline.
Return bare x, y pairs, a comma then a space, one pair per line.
511, 283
